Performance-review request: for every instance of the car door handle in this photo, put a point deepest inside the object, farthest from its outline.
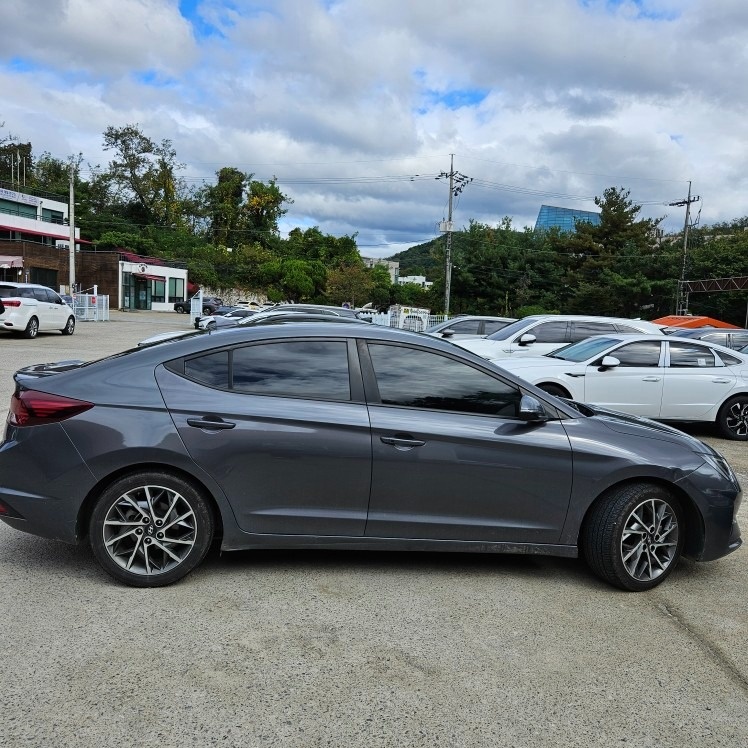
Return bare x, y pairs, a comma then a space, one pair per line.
650, 379
211, 424
721, 381
401, 442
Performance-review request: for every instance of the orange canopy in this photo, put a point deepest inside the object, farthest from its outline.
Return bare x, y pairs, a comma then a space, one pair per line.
691, 322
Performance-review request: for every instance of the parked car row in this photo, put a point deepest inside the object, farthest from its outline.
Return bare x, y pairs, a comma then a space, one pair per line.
349, 436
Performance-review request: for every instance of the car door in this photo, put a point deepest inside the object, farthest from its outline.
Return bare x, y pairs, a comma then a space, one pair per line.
695, 381
44, 311
634, 386
282, 427
451, 460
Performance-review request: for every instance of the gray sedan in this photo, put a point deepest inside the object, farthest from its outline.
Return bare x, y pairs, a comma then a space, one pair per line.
346, 436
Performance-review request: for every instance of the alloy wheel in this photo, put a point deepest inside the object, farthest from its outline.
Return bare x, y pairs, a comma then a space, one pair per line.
736, 418
649, 543
149, 530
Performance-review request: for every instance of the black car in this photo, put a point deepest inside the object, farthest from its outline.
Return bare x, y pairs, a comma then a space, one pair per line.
210, 304
347, 436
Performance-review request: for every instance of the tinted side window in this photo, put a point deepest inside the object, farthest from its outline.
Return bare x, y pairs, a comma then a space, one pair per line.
550, 332
729, 360
293, 369
492, 326
720, 338
40, 294
466, 327
638, 354
582, 330
739, 339
212, 369
420, 379
690, 355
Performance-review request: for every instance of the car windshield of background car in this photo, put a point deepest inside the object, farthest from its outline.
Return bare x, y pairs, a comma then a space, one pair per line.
509, 330
583, 350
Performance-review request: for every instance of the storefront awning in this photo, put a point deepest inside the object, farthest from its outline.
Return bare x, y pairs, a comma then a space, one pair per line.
146, 276
61, 237
11, 261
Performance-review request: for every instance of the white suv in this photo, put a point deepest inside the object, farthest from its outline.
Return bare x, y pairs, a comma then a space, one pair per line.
28, 308
541, 334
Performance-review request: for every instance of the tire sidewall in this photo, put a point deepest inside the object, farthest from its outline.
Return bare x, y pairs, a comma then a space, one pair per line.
722, 418
654, 492
198, 504
69, 328
32, 328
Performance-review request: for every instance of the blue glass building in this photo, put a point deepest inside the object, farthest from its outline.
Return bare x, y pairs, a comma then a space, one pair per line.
564, 219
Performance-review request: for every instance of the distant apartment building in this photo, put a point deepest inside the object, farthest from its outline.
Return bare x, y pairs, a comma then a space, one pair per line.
418, 280
393, 268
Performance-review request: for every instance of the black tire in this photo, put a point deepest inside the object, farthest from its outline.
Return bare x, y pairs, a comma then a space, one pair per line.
732, 419
124, 529
633, 536
207, 311
180, 310
69, 328
32, 328
554, 389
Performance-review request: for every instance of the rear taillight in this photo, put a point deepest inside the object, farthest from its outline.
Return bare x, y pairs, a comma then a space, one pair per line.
11, 302
32, 408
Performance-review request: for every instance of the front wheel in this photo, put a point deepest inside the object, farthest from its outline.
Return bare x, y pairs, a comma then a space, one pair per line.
150, 529
633, 537
180, 310
69, 328
732, 419
32, 328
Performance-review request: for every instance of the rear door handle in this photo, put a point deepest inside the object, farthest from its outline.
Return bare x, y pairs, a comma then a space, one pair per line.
721, 381
650, 379
211, 424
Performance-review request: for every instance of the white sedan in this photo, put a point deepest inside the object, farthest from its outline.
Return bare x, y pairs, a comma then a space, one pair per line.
656, 376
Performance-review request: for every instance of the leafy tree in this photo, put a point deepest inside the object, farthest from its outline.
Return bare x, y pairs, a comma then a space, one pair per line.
350, 283
144, 172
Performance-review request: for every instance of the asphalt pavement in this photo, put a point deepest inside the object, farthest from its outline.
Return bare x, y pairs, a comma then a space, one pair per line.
362, 649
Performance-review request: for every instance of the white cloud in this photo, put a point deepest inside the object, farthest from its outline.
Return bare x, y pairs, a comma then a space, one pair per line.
569, 98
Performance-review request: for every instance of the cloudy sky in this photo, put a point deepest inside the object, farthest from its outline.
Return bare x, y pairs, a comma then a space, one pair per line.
356, 105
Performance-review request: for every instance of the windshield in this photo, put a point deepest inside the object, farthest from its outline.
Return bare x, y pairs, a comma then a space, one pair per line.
583, 350
509, 330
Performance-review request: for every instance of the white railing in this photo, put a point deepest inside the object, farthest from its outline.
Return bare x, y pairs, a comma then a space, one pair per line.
91, 308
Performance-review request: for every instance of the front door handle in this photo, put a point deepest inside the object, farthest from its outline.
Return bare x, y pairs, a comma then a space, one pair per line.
401, 442
210, 424
650, 379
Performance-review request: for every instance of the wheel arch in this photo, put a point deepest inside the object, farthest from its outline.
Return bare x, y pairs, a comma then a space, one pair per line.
555, 386
87, 507
694, 535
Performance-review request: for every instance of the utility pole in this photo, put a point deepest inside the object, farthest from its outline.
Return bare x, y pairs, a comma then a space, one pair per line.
457, 183
681, 307
71, 221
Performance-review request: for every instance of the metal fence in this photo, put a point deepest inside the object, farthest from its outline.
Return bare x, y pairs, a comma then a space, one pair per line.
386, 319
91, 308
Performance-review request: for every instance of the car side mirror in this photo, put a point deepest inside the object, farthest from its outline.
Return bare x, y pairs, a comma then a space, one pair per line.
448, 333
608, 362
526, 339
531, 410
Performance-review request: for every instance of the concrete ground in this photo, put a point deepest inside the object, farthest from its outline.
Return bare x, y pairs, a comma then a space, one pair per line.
360, 649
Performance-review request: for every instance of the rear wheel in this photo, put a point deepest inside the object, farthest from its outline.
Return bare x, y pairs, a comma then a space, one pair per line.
69, 328
732, 419
554, 389
181, 310
32, 328
634, 536
150, 529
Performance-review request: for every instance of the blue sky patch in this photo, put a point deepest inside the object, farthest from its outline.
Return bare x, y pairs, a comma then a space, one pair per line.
644, 9
153, 79
456, 98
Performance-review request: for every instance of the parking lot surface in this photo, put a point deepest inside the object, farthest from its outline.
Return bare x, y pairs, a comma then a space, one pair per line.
341, 649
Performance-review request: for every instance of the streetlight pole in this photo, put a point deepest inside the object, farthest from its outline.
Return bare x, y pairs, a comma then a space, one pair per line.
71, 221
